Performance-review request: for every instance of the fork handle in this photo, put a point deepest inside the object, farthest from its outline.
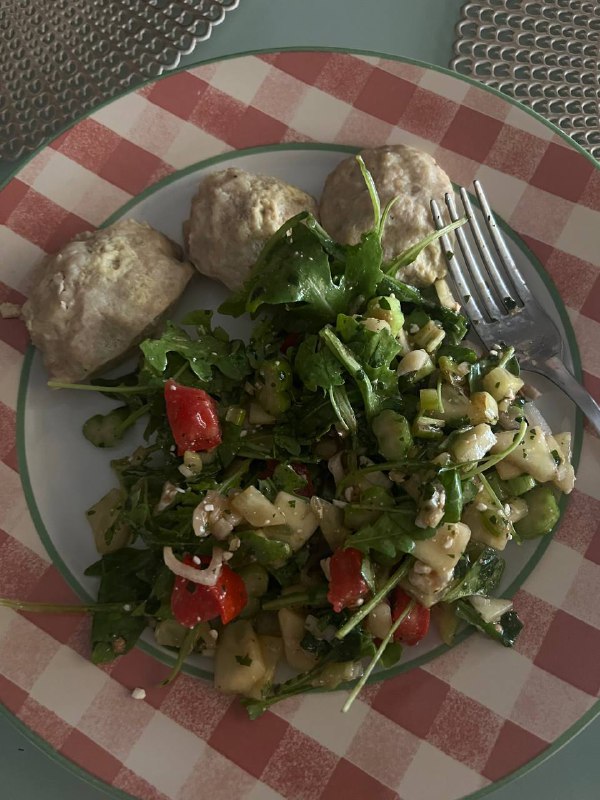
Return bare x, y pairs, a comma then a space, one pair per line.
556, 371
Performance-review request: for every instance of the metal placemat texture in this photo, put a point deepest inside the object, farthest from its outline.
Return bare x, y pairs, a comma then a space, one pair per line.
60, 58
545, 55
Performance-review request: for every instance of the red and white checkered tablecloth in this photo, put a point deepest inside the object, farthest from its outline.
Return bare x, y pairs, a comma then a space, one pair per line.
443, 730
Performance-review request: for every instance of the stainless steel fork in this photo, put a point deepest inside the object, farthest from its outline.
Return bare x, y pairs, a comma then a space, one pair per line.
499, 303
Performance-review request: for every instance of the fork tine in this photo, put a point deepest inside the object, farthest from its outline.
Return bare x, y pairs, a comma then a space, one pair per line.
464, 290
470, 260
515, 277
503, 293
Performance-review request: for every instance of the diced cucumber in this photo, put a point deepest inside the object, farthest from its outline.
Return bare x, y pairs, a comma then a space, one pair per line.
506, 470
331, 522
169, 633
490, 608
483, 408
497, 485
417, 365
239, 661
338, 672
425, 427
106, 430
446, 621
389, 310
256, 509
480, 531
532, 456
472, 445
272, 650
392, 432
518, 509
515, 487
293, 631
103, 519
456, 404
256, 579
430, 336
275, 378
501, 383
443, 550
560, 449
298, 516
543, 513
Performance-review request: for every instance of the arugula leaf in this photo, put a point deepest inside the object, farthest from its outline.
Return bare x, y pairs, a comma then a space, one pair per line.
294, 276
505, 631
126, 576
316, 366
482, 576
212, 350
391, 535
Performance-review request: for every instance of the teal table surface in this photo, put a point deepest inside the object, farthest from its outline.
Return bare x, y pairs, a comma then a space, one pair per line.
421, 29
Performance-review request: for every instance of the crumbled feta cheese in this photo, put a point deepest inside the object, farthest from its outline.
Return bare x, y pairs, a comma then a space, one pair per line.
413, 328
481, 507
213, 634
196, 559
139, 694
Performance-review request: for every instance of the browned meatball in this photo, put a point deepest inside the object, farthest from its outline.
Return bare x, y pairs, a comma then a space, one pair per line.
233, 214
100, 295
346, 211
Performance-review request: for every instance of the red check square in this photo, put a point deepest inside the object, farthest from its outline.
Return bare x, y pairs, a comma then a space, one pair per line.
248, 743
300, 767
385, 96
10, 197
89, 143
300, 66
195, 705
514, 747
465, 730
179, 94
562, 171
351, 783
412, 700
255, 128
472, 134
591, 307
343, 76
571, 651
83, 751
428, 114
132, 168
51, 587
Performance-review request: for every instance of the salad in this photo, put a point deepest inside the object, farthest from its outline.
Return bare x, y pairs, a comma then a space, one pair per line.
314, 496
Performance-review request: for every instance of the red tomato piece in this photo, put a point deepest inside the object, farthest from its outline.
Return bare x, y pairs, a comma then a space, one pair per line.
192, 603
415, 625
192, 416
346, 585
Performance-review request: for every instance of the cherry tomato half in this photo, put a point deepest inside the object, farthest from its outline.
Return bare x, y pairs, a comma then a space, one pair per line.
192, 603
346, 585
416, 623
192, 416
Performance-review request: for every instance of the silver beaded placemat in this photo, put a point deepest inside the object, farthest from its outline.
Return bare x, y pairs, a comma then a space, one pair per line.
60, 58
545, 54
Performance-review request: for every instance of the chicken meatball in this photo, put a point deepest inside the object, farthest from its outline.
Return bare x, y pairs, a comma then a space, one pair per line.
398, 170
233, 214
102, 294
